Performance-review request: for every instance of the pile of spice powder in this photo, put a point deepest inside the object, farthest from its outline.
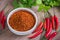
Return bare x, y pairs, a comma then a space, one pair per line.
22, 20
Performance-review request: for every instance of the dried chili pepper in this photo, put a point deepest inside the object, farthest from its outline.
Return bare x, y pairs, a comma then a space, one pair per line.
2, 19
59, 23
49, 31
49, 39
53, 22
1, 15
39, 27
3, 22
47, 23
56, 22
52, 35
34, 35
44, 25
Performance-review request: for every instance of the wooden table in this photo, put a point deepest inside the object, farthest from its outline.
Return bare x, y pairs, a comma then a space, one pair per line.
7, 35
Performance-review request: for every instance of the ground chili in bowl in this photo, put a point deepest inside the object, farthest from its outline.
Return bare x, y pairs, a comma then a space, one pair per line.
22, 21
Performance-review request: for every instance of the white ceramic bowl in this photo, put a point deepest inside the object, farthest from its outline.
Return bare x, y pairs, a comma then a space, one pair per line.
19, 32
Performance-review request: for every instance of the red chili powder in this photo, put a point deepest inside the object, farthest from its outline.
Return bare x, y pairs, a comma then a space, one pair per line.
22, 20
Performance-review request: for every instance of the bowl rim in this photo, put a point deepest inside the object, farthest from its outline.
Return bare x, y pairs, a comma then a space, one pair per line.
20, 32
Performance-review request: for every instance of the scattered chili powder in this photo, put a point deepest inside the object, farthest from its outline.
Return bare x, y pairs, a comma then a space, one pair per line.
22, 20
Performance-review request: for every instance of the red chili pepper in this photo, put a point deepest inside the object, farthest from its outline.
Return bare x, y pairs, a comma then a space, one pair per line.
1, 15
2, 19
52, 19
39, 27
59, 24
47, 23
34, 35
44, 25
56, 22
52, 35
49, 31
3, 22
49, 39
